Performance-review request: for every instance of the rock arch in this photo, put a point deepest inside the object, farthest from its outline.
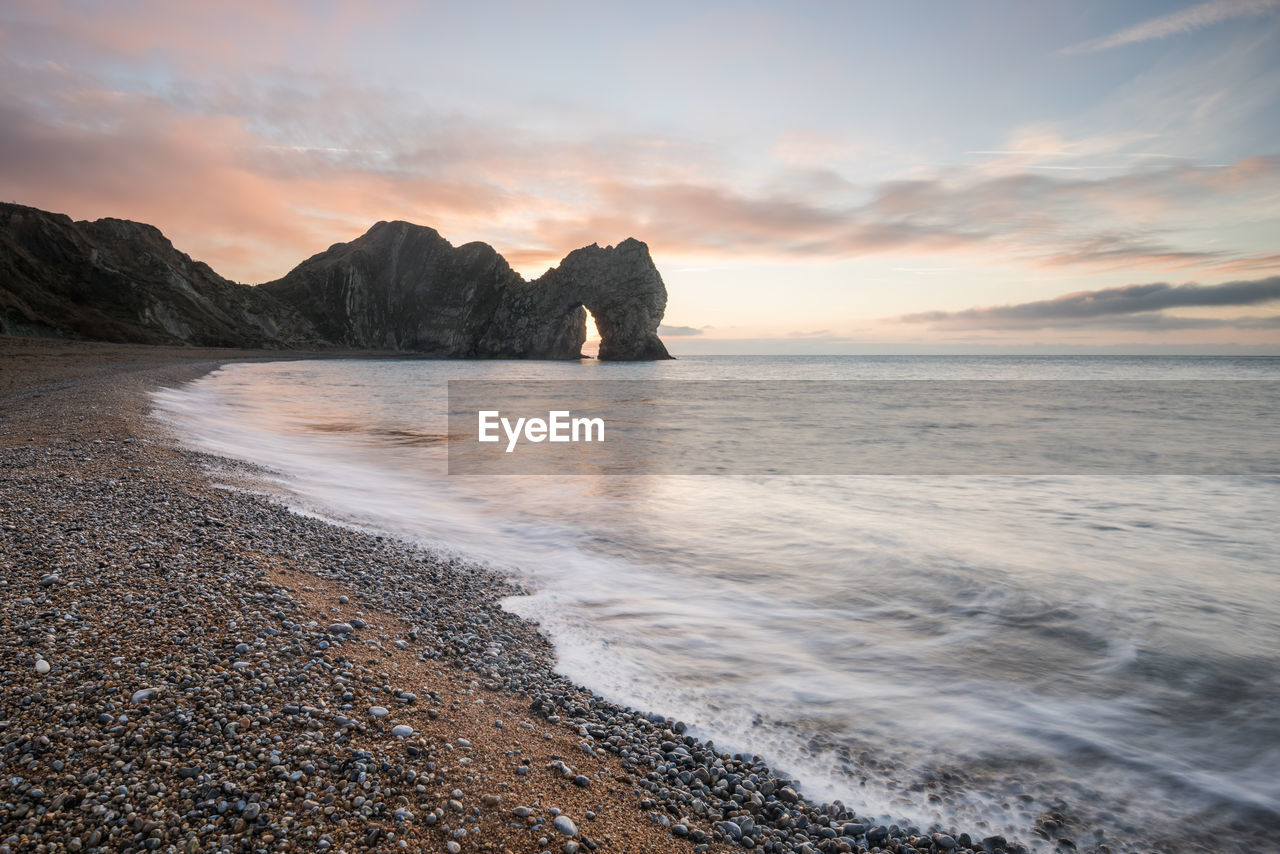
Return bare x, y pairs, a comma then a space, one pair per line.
621, 288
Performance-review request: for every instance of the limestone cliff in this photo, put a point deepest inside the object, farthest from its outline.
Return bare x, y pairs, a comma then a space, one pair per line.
116, 280
399, 287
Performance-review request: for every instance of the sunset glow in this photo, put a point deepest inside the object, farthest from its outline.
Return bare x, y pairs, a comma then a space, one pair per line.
809, 177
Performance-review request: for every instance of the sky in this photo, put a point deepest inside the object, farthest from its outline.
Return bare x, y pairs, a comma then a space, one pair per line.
810, 177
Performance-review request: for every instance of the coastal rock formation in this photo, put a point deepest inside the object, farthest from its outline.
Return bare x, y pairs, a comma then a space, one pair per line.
619, 286
623, 291
399, 287
404, 287
116, 280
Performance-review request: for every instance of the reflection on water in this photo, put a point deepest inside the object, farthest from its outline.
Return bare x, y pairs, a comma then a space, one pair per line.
970, 650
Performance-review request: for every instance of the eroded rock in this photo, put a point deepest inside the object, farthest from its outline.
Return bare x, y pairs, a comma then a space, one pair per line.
398, 287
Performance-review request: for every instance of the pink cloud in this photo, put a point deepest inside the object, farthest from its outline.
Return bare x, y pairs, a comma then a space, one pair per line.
221, 192
254, 176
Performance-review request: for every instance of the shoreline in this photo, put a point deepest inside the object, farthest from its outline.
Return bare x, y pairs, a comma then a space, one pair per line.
267, 638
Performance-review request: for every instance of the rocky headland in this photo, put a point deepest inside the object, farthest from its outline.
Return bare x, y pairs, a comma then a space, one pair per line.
399, 287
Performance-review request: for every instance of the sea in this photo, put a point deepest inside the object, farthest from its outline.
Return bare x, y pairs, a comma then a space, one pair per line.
954, 647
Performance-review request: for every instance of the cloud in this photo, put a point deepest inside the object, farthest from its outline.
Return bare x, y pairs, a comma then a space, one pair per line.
1183, 21
1249, 264
253, 179
1158, 322
679, 331
1118, 251
1031, 146
219, 190
1272, 322
1038, 219
252, 174
1131, 306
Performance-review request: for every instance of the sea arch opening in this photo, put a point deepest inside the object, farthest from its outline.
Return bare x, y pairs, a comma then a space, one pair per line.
591, 343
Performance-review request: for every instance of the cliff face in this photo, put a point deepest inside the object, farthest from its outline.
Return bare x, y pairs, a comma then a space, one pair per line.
116, 280
404, 287
399, 287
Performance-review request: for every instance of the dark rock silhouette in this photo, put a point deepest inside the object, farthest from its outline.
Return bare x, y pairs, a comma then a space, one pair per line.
116, 280
619, 286
399, 287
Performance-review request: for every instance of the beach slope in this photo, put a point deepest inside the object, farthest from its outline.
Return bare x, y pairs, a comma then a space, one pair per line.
225, 675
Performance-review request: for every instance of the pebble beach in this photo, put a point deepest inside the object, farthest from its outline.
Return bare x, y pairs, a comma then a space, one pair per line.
190, 666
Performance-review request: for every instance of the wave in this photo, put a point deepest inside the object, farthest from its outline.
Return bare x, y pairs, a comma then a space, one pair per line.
963, 650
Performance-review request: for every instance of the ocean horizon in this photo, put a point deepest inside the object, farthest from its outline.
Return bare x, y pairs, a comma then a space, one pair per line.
976, 650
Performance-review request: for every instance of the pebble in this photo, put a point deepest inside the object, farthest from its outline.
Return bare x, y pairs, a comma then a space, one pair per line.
42, 666
270, 752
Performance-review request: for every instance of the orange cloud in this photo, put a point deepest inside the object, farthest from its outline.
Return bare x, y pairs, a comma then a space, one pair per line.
221, 192
254, 176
